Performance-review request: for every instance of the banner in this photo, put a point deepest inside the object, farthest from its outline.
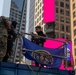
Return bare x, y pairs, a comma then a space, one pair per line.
42, 55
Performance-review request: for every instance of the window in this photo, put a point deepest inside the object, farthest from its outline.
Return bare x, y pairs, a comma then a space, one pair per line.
68, 37
57, 17
61, 4
57, 3
40, 4
61, 27
23, 24
75, 51
62, 11
67, 13
75, 42
67, 6
75, 32
56, 34
40, 10
75, 61
38, 7
40, 17
61, 18
62, 35
74, 6
38, 1
67, 20
57, 26
67, 29
57, 10
23, 28
74, 14
74, 23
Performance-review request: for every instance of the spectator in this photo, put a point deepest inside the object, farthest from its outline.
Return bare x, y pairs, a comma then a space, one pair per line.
37, 40
11, 37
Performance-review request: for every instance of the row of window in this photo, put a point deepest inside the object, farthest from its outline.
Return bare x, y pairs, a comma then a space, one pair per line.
62, 11
62, 19
62, 27
16, 10
15, 14
62, 35
62, 4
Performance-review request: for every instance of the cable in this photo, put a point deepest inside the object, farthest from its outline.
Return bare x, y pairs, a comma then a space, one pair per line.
31, 69
38, 73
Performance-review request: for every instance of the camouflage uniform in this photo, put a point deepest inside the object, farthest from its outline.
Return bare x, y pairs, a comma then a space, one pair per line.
3, 37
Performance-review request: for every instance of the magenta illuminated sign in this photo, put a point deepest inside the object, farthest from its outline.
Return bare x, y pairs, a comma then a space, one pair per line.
56, 44
49, 11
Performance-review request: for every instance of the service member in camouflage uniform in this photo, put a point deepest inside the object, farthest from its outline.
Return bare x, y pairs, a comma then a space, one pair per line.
3, 37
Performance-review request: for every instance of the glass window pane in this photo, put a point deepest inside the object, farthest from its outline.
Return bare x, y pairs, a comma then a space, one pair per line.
61, 4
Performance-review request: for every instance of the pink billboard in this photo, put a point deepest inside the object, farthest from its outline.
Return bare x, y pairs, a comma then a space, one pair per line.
49, 11
56, 44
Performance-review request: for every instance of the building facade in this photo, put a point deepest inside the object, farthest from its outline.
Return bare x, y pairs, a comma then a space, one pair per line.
30, 17
62, 22
38, 16
73, 29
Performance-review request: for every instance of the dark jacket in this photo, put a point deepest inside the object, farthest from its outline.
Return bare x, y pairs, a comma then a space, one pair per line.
11, 38
39, 41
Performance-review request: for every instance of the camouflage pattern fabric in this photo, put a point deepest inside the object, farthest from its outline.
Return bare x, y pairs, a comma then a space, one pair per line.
3, 39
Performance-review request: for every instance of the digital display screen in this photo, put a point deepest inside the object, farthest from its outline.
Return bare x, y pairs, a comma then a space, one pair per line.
49, 11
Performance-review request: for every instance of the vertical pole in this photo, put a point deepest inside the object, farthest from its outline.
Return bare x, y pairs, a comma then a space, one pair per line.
15, 53
20, 50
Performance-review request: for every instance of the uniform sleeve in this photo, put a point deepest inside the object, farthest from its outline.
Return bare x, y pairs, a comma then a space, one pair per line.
13, 33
